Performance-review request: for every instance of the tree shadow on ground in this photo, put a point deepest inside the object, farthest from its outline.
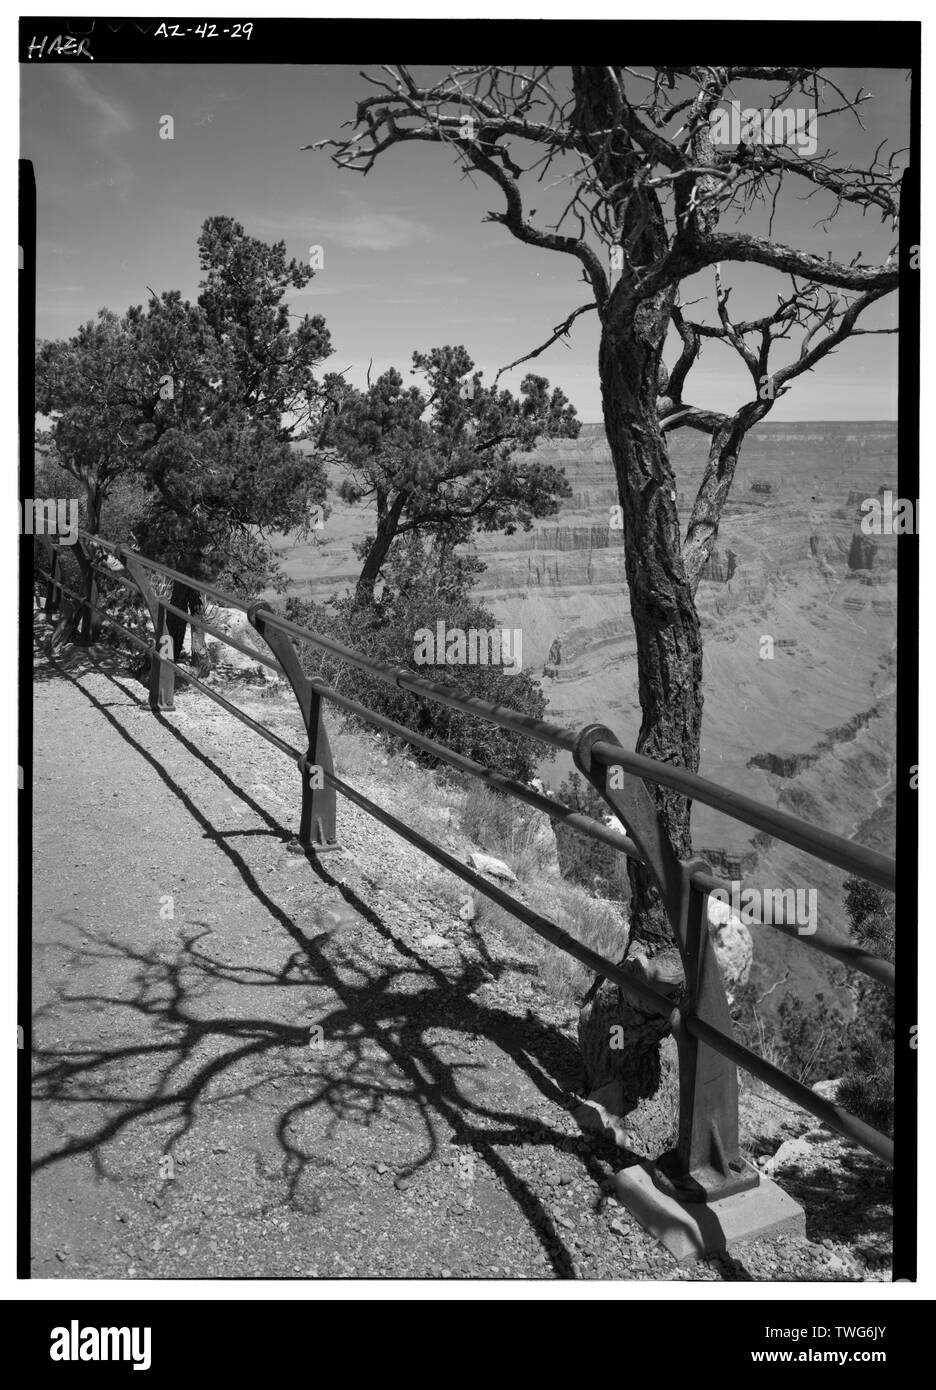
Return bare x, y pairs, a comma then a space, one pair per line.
374, 1006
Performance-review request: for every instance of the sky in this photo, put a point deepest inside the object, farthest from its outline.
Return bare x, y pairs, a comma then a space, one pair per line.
409, 262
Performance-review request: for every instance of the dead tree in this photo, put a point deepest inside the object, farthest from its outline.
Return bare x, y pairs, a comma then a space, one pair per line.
641, 196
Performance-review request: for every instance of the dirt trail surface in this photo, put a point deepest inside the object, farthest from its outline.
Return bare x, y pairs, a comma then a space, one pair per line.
225, 1089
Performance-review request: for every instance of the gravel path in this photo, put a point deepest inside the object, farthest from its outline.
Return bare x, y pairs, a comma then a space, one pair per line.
225, 1089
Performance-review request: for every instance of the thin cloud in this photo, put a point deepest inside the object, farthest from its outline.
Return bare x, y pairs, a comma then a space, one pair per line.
113, 117
371, 231
110, 121
364, 231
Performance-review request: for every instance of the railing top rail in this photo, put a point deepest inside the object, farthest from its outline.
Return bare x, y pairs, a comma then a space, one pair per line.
552, 734
824, 844
219, 595
835, 849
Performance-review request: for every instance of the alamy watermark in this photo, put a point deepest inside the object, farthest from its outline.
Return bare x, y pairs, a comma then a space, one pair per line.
49, 516
784, 125
456, 646
888, 515
77, 1343
753, 907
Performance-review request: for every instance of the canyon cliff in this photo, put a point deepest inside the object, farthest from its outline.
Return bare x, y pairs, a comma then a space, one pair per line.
799, 626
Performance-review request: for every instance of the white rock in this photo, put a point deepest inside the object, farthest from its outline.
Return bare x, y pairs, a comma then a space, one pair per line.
828, 1089
434, 942
731, 940
797, 1150
487, 864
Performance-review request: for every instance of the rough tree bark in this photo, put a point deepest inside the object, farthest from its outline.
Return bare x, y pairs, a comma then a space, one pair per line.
387, 526
666, 626
669, 669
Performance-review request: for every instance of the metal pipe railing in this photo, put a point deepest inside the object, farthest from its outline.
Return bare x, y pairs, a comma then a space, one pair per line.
112, 622
857, 859
196, 620
405, 679
592, 752
873, 966
226, 600
574, 820
834, 849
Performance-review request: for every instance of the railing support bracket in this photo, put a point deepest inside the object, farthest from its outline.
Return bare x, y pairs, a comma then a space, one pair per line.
706, 1164
318, 814
162, 675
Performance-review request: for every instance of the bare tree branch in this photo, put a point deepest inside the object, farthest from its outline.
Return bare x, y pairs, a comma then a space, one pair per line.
558, 332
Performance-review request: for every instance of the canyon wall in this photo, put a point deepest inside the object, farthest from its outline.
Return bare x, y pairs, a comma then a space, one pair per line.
799, 625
